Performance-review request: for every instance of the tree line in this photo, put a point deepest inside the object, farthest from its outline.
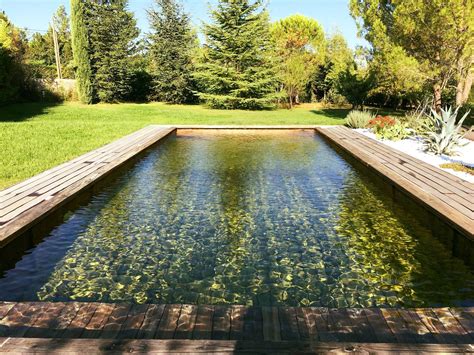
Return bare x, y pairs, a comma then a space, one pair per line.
419, 50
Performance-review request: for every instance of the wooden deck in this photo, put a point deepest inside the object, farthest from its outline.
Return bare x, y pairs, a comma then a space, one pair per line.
32, 200
449, 197
254, 324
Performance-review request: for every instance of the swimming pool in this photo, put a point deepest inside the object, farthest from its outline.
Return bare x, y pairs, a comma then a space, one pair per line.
242, 217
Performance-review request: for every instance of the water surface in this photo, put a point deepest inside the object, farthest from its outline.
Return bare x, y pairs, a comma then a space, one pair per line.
242, 218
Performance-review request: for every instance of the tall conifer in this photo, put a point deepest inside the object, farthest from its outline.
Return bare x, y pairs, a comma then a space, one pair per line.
172, 43
81, 51
236, 72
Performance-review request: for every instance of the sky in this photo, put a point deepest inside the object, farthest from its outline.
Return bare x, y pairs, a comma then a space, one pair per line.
331, 14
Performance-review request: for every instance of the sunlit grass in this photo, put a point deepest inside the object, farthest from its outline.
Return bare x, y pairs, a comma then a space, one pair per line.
35, 137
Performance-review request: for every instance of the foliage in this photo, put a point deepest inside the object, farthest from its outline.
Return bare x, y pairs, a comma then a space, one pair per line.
458, 167
397, 76
359, 119
172, 43
338, 58
82, 52
443, 134
112, 44
236, 69
41, 48
438, 34
12, 51
299, 49
388, 128
354, 84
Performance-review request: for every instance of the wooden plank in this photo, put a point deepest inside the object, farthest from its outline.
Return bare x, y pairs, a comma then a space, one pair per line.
5, 307
133, 322
271, 324
203, 327
361, 325
288, 323
115, 321
341, 326
378, 323
20, 318
151, 321
459, 221
186, 322
169, 322
431, 321
253, 324
93, 346
417, 327
465, 317
303, 326
94, 328
32, 215
398, 326
237, 322
318, 321
47, 321
83, 316
221, 323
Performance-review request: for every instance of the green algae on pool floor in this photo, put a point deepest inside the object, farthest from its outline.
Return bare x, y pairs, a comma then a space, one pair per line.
263, 218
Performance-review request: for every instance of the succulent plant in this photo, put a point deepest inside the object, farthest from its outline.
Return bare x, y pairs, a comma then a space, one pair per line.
443, 135
358, 119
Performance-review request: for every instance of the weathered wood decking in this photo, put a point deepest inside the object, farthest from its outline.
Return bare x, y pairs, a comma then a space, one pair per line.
30, 201
448, 196
254, 324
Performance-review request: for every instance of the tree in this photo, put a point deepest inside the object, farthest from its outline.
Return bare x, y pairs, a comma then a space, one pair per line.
41, 48
438, 34
354, 84
12, 51
112, 31
338, 57
172, 42
81, 52
299, 45
236, 71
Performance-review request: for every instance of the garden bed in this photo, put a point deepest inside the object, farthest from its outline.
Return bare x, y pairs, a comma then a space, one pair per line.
413, 146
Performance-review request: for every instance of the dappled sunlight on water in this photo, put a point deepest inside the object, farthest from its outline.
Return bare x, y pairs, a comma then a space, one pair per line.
230, 218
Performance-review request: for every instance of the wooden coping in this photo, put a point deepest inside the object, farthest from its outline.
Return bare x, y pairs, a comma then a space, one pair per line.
77, 320
449, 197
30, 201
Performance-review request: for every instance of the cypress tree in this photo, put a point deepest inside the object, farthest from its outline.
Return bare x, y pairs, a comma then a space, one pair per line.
172, 43
81, 52
236, 72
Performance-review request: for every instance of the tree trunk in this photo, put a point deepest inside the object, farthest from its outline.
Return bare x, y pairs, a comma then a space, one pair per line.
437, 97
463, 89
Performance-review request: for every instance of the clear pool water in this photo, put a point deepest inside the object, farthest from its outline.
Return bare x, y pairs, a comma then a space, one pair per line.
243, 217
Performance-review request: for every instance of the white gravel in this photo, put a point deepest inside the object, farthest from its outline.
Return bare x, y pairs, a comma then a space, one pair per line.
414, 146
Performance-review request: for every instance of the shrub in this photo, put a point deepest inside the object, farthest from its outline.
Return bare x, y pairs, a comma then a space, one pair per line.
443, 135
386, 127
358, 119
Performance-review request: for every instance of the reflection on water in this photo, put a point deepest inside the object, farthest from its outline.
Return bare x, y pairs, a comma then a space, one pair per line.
242, 218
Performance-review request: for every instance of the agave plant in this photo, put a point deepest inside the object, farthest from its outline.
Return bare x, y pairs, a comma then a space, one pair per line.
442, 134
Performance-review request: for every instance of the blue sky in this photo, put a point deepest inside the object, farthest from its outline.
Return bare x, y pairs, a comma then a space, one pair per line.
332, 14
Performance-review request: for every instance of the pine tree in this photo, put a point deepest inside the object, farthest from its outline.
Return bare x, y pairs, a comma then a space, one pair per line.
112, 31
236, 72
172, 43
81, 52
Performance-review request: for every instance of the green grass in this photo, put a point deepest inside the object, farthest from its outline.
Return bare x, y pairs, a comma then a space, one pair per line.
35, 137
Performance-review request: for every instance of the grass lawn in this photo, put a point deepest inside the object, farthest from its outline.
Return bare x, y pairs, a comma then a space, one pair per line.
35, 137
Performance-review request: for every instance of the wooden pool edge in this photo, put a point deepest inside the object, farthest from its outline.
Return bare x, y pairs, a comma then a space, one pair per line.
290, 328
461, 224
104, 161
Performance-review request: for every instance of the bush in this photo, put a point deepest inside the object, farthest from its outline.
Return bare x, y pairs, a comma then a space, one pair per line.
358, 119
386, 127
443, 135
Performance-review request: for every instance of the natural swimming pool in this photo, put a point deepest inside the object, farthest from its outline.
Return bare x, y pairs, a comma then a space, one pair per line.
242, 217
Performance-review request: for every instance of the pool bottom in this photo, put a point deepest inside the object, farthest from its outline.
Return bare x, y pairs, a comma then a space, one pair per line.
254, 218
